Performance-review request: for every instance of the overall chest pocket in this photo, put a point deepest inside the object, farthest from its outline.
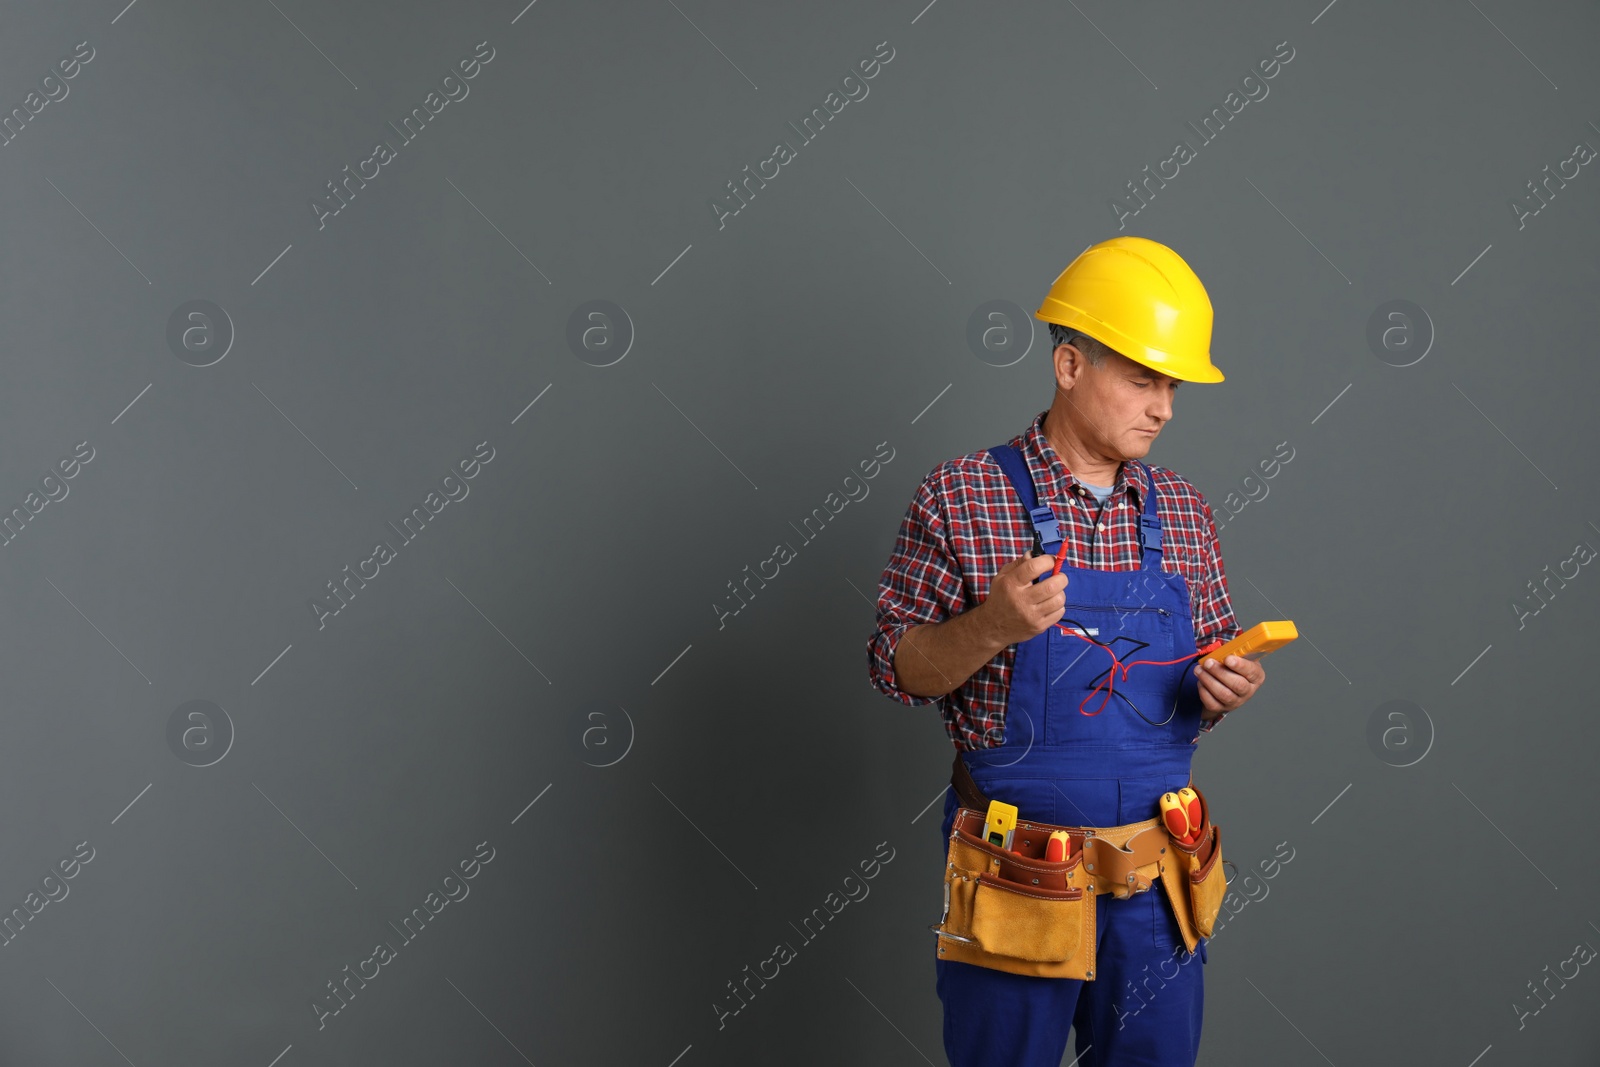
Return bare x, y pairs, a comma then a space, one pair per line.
1080, 672
1132, 631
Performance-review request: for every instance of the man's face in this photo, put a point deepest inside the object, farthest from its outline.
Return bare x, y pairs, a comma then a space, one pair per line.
1120, 406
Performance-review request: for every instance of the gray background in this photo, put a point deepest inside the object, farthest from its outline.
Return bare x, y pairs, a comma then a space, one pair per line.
561, 615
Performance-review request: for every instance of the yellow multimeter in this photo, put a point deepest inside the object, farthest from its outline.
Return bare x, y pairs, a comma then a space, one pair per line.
1257, 641
1000, 824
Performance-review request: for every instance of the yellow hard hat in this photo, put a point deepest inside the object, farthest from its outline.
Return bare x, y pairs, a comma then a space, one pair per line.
1140, 298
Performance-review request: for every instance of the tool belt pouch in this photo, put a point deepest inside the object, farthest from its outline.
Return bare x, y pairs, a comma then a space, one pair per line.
1200, 866
1017, 913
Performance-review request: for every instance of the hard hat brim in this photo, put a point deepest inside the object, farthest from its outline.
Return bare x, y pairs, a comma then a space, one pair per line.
1153, 358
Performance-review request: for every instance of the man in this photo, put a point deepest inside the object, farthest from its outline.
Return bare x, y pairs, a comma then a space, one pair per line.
972, 613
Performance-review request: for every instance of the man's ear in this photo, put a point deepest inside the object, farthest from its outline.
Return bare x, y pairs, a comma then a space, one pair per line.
1066, 365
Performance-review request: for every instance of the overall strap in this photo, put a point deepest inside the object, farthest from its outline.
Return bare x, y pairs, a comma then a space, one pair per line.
1150, 525
1046, 527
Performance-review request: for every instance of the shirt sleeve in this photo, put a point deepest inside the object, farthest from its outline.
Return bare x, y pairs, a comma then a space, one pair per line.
921, 584
1214, 619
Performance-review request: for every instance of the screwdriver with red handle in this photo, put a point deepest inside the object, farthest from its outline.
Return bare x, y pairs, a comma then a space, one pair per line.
1182, 815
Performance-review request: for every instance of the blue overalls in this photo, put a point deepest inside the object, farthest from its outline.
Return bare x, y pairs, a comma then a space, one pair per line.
1059, 766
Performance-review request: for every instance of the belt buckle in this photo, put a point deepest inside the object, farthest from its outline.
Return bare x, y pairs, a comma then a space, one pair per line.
1140, 884
1121, 891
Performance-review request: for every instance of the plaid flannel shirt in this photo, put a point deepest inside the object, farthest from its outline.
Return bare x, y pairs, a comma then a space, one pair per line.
965, 522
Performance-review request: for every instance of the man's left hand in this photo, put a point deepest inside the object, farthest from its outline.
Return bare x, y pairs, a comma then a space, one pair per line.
1227, 685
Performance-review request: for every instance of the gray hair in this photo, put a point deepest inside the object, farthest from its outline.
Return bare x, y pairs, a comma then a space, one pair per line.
1093, 350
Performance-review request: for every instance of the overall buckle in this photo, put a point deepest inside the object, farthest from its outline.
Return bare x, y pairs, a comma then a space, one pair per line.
1150, 533
1046, 526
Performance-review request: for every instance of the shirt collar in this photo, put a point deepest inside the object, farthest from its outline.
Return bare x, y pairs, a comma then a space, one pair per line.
1052, 479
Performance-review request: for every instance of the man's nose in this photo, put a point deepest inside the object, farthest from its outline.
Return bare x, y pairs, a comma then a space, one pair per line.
1162, 408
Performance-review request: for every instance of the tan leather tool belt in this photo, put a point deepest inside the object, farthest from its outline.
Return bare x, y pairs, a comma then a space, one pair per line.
1018, 912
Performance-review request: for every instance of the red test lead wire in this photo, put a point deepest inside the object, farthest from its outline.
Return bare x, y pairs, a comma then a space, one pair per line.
1116, 664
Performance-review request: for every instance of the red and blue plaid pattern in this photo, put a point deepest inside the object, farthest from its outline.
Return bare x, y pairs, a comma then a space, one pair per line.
965, 522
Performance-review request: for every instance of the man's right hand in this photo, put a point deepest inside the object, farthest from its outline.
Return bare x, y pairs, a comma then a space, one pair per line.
1017, 608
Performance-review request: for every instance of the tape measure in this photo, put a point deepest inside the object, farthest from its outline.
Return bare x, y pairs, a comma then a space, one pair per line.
1000, 823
